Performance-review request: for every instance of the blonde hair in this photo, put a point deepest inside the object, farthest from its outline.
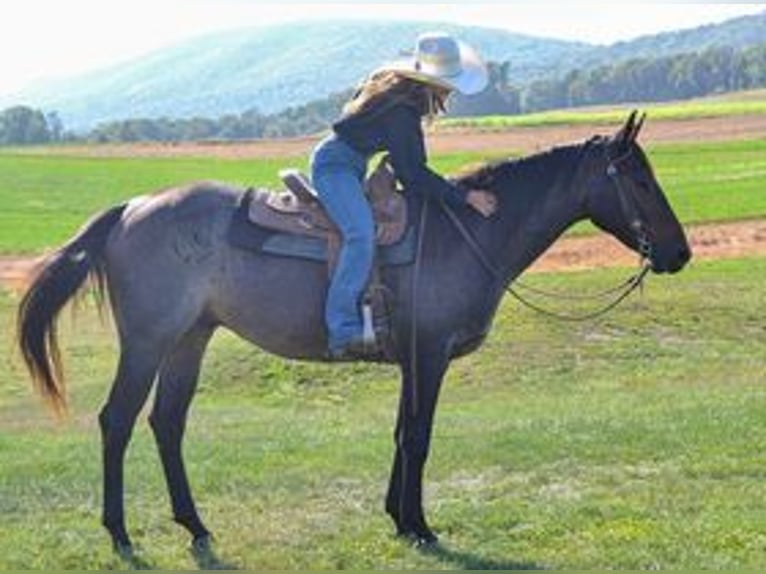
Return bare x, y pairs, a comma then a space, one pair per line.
392, 87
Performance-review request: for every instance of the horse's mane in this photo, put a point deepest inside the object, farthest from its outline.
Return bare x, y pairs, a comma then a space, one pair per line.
524, 172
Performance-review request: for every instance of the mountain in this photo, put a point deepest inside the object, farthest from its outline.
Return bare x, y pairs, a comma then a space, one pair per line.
739, 32
269, 68
275, 67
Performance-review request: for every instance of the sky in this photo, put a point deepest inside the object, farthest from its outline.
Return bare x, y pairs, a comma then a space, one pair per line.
45, 39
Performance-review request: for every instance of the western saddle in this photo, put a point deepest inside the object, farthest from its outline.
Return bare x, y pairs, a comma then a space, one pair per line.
297, 210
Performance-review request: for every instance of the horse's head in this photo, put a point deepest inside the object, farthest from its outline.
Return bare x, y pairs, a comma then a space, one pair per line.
625, 199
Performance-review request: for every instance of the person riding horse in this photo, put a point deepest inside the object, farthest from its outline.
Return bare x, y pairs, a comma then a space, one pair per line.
174, 278
385, 114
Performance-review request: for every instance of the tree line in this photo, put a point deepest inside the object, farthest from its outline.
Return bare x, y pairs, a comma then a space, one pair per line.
715, 70
499, 98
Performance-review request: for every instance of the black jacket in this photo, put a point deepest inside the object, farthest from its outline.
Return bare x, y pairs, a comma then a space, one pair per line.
397, 129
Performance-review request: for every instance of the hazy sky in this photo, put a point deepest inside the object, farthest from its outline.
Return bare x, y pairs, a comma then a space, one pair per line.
47, 38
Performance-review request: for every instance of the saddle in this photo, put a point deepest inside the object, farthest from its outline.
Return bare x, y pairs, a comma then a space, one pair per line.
298, 211
293, 223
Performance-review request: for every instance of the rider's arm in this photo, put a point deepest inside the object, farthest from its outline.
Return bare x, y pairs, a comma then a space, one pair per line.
406, 147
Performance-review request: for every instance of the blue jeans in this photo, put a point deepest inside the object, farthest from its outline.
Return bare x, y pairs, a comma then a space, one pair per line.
338, 173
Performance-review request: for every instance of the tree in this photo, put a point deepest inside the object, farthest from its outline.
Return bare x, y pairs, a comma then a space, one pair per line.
22, 125
545, 95
499, 98
754, 66
55, 126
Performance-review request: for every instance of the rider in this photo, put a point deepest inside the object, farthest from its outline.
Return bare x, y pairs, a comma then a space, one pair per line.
385, 114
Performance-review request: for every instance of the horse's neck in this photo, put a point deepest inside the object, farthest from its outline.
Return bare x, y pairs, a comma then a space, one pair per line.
554, 205
530, 241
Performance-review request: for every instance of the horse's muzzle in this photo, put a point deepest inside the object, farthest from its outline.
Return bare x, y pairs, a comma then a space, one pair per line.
671, 261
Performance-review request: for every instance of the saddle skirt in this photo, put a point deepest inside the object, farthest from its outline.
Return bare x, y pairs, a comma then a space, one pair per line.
298, 211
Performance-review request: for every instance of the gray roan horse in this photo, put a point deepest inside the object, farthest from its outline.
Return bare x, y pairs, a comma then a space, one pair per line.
173, 279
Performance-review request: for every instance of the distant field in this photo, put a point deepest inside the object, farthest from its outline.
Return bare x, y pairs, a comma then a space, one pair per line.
45, 198
713, 182
633, 442
739, 104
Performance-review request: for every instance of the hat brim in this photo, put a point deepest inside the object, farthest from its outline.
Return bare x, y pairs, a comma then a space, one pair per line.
472, 79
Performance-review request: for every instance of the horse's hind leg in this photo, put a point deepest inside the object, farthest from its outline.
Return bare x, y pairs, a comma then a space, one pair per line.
135, 374
177, 383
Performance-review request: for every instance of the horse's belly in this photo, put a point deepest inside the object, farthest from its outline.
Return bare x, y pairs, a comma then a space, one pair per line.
276, 303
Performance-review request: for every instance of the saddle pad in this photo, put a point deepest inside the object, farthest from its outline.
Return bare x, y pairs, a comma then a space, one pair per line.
286, 212
244, 234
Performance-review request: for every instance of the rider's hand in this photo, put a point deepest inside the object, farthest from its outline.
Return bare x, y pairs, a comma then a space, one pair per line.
482, 201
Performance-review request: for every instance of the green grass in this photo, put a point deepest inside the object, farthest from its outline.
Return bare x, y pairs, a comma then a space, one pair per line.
44, 199
637, 441
746, 103
713, 181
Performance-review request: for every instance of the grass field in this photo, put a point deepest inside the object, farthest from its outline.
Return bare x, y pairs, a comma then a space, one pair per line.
745, 103
637, 441
45, 198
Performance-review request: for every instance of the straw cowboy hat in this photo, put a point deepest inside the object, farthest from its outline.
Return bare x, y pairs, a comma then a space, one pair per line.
441, 60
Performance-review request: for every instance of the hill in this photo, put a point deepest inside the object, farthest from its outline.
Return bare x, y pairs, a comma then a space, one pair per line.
738, 33
287, 65
268, 68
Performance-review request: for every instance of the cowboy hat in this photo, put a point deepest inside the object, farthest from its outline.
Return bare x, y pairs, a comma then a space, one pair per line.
441, 60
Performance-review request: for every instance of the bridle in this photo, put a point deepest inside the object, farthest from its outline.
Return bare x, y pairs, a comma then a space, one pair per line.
628, 205
632, 215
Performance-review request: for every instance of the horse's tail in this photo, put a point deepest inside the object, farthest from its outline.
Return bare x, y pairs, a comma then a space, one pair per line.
56, 281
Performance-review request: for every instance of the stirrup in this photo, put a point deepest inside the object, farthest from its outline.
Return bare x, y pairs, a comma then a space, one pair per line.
369, 337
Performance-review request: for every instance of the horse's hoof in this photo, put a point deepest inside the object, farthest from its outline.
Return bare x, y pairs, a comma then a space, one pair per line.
420, 539
425, 542
204, 555
202, 544
125, 552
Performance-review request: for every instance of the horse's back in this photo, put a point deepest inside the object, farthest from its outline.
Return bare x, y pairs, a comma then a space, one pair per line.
204, 201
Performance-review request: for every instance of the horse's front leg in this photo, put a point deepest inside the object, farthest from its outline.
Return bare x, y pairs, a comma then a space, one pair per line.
417, 404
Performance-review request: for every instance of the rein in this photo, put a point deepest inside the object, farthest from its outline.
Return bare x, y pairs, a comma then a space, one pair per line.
622, 290
627, 287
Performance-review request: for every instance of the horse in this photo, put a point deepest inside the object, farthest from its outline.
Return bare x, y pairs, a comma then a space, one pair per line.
172, 279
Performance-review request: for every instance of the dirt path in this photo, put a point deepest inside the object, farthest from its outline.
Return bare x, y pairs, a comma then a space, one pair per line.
709, 241
521, 140
528, 140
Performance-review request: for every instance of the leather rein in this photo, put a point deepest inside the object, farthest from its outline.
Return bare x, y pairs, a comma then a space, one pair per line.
625, 288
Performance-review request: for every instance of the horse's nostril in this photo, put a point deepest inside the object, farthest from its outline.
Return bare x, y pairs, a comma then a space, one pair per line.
684, 254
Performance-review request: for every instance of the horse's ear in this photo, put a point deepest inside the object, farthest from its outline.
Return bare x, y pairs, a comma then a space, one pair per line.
626, 133
638, 126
